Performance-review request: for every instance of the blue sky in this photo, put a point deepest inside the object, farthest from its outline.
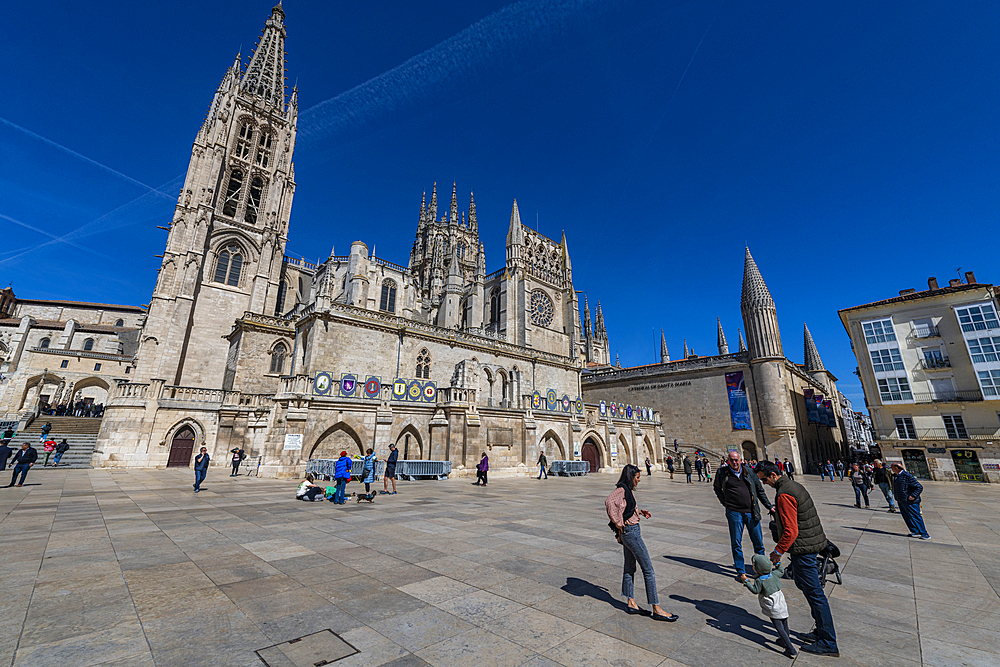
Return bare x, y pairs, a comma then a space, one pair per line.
851, 145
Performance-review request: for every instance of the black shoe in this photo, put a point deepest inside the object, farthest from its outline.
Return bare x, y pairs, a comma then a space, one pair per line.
808, 637
634, 610
816, 650
790, 654
669, 618
858, 505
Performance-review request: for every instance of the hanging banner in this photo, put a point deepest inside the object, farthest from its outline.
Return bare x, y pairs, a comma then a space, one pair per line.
828, 411
812, 414
739, 406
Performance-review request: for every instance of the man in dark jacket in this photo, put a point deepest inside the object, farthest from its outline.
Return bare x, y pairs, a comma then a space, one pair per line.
542, 464
22, 462
687, 468
390, 470
61, 449
8, 435
5, 453
238, 456
200, 468
907, 490
802, 537
789, 468
698, 465
739, 489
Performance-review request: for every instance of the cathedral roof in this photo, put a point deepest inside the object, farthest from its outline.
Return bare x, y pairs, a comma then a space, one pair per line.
813, 362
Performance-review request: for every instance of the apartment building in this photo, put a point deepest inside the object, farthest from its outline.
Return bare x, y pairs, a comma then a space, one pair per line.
929, 363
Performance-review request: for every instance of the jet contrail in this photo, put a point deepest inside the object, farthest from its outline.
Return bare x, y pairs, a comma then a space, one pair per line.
51, 236
490, 41
86, 159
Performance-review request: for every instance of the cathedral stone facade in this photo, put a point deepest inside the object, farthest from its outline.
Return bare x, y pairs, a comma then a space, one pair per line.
755, 400
246, 347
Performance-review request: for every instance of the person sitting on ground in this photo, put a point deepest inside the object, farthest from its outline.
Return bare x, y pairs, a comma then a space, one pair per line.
309, 490
767, 586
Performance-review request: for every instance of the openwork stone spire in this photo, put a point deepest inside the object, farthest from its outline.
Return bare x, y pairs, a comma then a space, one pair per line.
453, 212
813, 362
759, 314
743, 345
265, 76
600, 331
664, 354
587, 329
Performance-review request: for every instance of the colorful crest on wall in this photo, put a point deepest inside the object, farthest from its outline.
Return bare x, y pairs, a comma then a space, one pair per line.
566, 403
536, 401
373, 386
399, 389
322, 384
579, 406
348, 384
414, 390
628, 411
429, 392
602, 407
551, 399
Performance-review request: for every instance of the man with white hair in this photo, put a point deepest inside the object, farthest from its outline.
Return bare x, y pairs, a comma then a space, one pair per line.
883, 479
907, 490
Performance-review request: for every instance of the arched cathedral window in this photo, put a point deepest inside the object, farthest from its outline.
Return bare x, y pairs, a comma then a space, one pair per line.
278, 358
88, 345
44, 343
264, 150
232, 201
119, 323
424, 364
245, 143
495, 305
253, 201
387, 303
279, 304
227, 269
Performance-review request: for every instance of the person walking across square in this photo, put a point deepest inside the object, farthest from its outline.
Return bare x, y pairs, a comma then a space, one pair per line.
342, 475
390, 470
883, 480
22, 462
5, 453
670, 466
61, 449
802, 537
907, 490
542, 464
200, 468
767, 586
687, 468
789, 469
698, 467
238, 456
707, 466
861, 483
739, 490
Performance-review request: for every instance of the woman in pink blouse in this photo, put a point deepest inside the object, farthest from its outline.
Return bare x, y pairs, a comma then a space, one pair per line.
625, 517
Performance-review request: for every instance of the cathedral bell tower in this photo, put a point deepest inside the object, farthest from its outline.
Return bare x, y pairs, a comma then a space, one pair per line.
227, 239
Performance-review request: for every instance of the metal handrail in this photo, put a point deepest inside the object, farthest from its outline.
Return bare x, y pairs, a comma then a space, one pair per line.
948, 397
934, 363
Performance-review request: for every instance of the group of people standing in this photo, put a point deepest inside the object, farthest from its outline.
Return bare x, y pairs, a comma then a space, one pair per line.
77, 409
309, 490
740, 489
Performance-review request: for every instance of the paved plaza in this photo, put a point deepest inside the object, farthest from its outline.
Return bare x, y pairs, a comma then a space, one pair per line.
131, 568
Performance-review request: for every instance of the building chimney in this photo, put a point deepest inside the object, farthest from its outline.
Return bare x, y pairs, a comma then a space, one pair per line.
955, 282
909, 290
932, 283
970, 277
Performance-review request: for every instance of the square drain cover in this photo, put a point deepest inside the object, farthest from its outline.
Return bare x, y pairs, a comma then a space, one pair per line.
320, 648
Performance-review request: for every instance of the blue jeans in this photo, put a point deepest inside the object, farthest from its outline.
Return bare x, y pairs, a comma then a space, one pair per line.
338, 497
635, 551
829, 471
911, 515
805, 572
22, 469
542, 472
199, 477
858, 492
58, 458
887, 492
737, 520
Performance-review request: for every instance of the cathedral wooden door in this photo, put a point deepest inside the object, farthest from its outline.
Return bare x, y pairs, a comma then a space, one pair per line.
180, 448
590, 454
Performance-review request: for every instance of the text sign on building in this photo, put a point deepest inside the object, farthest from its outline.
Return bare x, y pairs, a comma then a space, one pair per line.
293, 442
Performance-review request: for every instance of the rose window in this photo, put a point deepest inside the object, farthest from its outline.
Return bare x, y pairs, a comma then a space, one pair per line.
541, 308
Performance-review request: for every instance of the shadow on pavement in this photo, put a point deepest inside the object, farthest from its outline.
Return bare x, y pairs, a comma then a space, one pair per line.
583, 588
706, 565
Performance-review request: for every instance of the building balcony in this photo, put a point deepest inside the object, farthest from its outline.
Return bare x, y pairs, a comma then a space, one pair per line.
948, 397
984, 433
934, 364
926, 332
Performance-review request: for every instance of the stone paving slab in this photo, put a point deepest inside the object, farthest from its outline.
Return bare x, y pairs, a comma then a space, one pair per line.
132, 568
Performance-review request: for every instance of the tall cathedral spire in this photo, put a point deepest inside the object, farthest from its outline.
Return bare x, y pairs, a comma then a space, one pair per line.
433, 209
265, 75
687, 352
813, 362
760, 317
453, 213
600, 332
515, 235
723, 345
472, 212
586, 317
664, 354
743, 345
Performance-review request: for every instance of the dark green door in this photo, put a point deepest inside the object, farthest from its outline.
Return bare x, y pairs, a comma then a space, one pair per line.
916, 463
967, 465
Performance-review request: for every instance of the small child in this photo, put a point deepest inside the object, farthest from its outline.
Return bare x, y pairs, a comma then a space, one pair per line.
767, 586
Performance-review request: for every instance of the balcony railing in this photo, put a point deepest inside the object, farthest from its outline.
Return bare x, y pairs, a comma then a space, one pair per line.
948, 397
926, 332
931, 364
983, 433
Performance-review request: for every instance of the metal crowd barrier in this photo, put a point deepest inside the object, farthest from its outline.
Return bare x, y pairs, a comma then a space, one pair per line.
409, 470
326, 468
569, 468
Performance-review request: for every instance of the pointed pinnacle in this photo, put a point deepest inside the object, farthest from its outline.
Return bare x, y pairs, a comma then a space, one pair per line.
812, 359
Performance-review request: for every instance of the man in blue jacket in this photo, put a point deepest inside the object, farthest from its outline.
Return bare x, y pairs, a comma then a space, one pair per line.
200, 468
907, 490
22, 462
342, 473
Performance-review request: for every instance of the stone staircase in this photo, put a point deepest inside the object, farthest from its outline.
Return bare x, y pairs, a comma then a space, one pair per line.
80, 433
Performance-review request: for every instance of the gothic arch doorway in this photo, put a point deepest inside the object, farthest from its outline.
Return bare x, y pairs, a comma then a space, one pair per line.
591, 452
552, 445
624, 448
749, 450
181, 448
409, 445
338, 438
